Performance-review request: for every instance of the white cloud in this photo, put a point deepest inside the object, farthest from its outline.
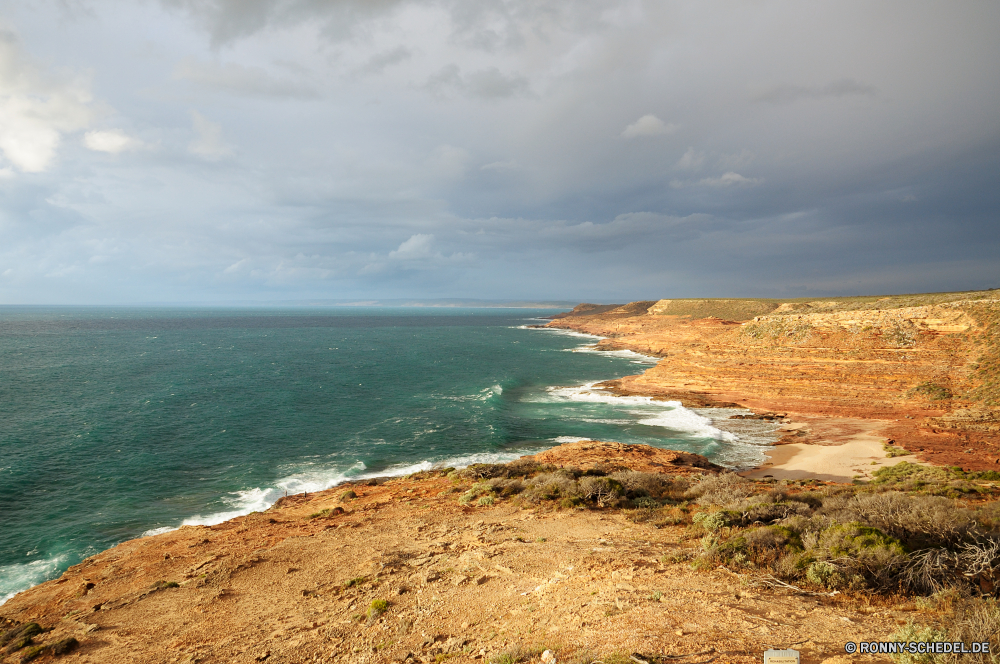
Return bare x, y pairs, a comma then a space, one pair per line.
691, 160
111, 140
36, 108
208, 144
648, 125
730, 179
415, 248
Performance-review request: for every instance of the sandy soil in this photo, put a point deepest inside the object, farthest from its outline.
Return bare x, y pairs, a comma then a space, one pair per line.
462, 584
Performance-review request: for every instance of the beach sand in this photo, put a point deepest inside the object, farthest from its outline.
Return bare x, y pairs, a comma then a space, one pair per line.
834, 449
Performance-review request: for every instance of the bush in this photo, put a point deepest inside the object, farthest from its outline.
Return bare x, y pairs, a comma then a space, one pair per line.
910, 472
506, 487
722, 489
913, 633
552, 486
766, 512
932, 391
918, 521
865, 555
824, 574
513, 654
25, 631
376, 609
654, 485
711, 521
602, 490
891, 451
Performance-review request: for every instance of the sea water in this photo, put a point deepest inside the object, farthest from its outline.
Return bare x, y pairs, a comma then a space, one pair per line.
115, 423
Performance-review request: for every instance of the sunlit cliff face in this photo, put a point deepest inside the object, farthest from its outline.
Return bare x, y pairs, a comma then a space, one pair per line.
218, 151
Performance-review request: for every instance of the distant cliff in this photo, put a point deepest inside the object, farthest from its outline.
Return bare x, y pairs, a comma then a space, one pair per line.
932, 361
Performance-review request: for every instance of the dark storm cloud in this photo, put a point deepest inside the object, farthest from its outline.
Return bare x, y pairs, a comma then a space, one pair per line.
251, 149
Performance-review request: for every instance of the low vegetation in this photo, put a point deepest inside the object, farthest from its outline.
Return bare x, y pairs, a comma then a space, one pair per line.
376, 609
21, 639
932, 391
913, 531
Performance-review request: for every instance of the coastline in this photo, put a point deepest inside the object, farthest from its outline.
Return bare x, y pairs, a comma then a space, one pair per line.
406, 570
837, 435
399, 570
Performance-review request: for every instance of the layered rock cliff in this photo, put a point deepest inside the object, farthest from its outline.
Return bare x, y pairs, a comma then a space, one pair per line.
926, 365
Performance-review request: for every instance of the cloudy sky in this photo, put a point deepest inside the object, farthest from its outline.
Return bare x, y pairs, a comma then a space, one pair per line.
231, 150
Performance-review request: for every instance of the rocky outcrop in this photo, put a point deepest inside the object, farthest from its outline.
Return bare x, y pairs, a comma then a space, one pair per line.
588, 454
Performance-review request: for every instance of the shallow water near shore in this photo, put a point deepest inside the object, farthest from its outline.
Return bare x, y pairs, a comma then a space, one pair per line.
120, 422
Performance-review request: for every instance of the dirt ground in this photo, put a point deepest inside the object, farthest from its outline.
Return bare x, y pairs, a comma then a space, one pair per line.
461, 583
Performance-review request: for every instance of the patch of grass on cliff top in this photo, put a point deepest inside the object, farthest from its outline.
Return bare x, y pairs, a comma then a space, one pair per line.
986, 371
741, 309
867, 302
727, 309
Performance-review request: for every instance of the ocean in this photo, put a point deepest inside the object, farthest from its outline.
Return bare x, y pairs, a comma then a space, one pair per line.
120, 422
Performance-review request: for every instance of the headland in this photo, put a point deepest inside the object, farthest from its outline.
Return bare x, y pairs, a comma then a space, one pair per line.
921, 371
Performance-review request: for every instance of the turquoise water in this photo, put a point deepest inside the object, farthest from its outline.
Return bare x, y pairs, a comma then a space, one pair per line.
120, 422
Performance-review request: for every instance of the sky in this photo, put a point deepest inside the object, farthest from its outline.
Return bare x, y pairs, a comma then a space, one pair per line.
212, 151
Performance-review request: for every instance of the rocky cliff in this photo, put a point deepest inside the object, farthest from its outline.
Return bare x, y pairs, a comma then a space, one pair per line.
928, 366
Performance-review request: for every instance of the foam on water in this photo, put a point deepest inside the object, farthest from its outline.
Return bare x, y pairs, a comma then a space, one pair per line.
561, 332
668, 414
20, 576
483, 395
636, 358
681, 419
259, 499
753, 437
560, 440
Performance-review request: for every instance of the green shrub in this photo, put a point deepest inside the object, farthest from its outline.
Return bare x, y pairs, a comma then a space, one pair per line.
551, 486
514, 653
20, 637
914, 633
376, 609
711, 521
602, 490
356, 581
824, 574
866, 555
348, 495
891, 451
913, 473
932, 391
723, 489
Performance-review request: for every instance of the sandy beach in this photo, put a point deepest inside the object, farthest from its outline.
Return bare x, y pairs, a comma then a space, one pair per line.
834, 449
